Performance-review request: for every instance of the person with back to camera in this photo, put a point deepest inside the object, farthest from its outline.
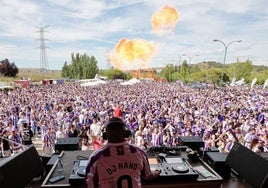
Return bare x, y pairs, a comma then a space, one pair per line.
118, 164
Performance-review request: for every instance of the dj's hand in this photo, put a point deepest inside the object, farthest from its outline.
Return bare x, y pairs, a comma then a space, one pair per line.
156, 173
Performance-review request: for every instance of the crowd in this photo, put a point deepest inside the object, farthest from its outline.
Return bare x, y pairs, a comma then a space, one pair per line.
156, 114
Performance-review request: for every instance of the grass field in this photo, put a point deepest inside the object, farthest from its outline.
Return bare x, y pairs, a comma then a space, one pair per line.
34, 74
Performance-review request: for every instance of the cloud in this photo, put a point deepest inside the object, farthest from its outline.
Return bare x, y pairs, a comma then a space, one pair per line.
94, 27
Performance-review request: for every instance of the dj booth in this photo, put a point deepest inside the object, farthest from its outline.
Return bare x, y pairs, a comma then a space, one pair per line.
176, 171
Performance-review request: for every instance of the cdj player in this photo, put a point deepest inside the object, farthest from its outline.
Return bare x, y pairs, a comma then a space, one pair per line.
173, 169
77, 176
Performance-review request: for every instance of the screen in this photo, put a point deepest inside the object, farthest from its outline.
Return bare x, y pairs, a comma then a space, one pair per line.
83, 163
153, 161
173, 160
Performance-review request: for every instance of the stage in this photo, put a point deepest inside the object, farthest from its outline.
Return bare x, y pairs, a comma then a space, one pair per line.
69, 158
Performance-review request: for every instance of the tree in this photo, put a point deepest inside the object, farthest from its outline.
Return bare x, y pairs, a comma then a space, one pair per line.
7, 69
185, 69
214, 75
115, 74
92, 68
167, 72
81, 67
241, 70
260, 75
65, 71
210, 75
195, 68
183, 72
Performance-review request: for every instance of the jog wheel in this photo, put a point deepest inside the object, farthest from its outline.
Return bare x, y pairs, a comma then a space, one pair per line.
180, 168
81, 172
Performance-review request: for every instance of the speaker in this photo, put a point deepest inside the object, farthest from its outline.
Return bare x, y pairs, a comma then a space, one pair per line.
249, 165
67, 144
202, 151
193, 142
20, 169
217, 161
213, 149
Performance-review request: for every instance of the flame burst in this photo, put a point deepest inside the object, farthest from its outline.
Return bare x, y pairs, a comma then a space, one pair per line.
131, 54
165, 19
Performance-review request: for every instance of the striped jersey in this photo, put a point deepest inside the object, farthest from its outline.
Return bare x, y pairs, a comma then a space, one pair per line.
117, 165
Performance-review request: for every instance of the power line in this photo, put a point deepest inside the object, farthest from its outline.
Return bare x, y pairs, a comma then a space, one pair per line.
43, 54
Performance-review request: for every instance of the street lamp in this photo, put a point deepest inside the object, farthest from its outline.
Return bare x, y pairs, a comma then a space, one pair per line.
190, 57
225, 52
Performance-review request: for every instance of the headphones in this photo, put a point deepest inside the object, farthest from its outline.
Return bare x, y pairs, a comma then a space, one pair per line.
117, 122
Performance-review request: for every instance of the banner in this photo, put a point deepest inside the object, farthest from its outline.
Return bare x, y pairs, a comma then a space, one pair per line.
253, 82
265, 83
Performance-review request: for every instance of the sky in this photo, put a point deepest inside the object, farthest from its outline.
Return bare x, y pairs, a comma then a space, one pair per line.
95, 27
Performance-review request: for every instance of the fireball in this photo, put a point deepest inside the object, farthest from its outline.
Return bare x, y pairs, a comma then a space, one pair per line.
131, 54
165, 19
